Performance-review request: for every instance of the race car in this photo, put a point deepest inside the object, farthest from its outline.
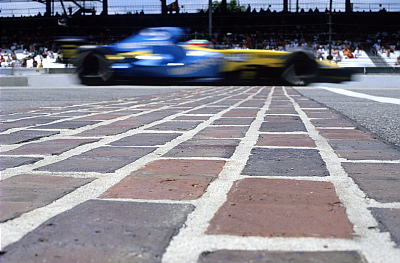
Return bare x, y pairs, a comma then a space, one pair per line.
156, 56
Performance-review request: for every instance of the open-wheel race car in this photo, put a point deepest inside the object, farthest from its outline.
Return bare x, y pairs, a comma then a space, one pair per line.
155, 55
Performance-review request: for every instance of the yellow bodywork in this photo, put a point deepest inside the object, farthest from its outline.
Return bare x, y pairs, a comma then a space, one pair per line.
247, 61
237, 58
132, 54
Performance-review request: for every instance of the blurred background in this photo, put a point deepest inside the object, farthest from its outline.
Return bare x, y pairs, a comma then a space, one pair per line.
371, 26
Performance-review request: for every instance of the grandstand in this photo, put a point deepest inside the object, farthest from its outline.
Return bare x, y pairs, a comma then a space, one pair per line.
17, 8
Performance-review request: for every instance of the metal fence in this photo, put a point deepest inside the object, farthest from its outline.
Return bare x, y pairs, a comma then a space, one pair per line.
19, 8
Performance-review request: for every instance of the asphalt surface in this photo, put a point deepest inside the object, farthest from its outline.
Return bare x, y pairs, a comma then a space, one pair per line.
197, 174
379, 117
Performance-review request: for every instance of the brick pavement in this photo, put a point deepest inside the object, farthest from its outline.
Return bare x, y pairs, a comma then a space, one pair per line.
212, 174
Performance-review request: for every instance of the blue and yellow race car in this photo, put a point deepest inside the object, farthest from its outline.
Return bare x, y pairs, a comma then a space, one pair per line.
156, 56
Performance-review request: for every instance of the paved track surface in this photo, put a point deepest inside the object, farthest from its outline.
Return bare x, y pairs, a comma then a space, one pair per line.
210, 174
373, 102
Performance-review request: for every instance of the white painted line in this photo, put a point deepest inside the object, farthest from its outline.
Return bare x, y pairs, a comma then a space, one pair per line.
363, 96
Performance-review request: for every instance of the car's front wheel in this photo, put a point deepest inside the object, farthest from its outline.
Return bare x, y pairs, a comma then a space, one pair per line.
300, 69
93, 68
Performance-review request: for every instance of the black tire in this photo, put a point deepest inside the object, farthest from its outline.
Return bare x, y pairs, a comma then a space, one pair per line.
300, 69
93, 68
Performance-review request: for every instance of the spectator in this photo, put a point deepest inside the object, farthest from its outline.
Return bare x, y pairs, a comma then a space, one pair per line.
388, 51
350, 54
24, 63
345, 51
357, 53
397, 63
336, 55
320, 53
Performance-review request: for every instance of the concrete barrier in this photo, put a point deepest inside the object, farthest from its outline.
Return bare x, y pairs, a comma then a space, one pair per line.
14, 81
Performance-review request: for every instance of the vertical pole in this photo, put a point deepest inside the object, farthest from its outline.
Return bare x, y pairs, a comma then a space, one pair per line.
349, 8
330, 57
164, 7
210, 18
48, 8
105, 8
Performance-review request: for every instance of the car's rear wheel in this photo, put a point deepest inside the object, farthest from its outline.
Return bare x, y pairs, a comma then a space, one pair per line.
93, 68
300, 69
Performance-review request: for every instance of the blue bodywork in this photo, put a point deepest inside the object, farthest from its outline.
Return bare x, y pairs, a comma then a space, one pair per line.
162, 56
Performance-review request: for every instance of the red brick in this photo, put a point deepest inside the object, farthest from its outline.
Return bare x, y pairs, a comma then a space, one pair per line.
343, 134
309, 104
285, 162
183, 188
253, 103
368, 149
208, 110
331, 123
241, 113
240, 256
282, 208
178, 167
11, 162
276, 123
168, 179
23, 193
107, 116
52, 147
223, 132
24, 136
227, 102
66, 125
281, 110
379, 181
176, 126
388, 220
233, 121
101, 160
204, 148
325, 114
293, 140
192, 118
102, 231
146, 139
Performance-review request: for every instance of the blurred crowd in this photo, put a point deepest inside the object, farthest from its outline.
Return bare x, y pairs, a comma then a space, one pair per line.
34, 51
